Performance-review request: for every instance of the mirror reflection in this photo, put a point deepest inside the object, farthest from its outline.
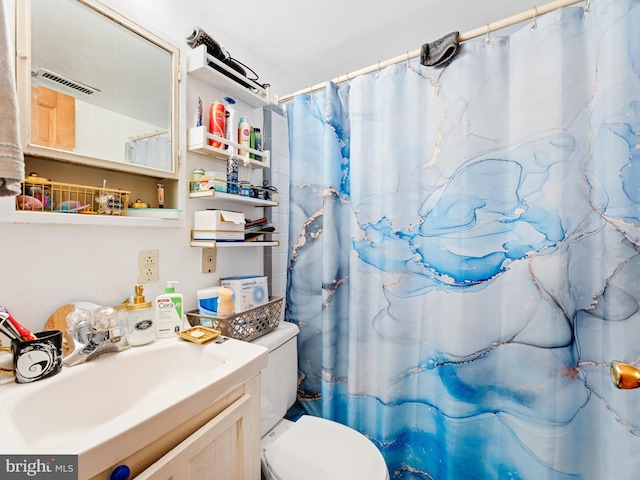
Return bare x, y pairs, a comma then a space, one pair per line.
98, 88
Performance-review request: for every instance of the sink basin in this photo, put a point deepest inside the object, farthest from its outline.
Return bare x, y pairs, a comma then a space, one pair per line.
93, 405
86, 398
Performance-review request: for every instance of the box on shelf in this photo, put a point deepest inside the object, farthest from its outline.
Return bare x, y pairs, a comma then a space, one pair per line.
218, 225
248, 291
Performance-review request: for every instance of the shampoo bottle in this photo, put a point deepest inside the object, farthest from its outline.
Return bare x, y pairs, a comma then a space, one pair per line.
217, 120
168, 312
244, 134
231, 132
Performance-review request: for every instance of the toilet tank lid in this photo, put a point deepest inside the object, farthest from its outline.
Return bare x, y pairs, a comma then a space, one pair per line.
316, 448
272, 340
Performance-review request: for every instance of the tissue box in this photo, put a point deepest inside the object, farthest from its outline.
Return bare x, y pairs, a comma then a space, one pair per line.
218, 225
248, 291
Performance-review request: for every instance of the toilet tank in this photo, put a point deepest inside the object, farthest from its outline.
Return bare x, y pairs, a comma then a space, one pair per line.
280, 377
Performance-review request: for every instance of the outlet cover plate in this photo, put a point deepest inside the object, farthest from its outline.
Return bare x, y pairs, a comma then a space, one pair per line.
148, 266
208, 260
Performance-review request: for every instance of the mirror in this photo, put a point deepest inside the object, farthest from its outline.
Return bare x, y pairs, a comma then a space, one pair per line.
95, 88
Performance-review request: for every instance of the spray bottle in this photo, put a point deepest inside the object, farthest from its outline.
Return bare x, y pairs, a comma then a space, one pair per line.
168, 311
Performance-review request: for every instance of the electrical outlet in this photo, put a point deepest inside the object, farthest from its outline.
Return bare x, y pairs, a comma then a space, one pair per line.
208, 260
148, 266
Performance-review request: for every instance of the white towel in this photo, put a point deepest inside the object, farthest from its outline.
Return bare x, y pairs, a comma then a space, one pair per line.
11, 157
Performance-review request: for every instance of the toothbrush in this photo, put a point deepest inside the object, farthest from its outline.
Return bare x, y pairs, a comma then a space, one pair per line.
24, 332
7, 328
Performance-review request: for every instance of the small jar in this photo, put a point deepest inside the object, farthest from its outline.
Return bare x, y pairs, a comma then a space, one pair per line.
121, 316
196, 178
245, 189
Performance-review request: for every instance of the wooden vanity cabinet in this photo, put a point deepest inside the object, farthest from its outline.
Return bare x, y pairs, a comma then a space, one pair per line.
223, 441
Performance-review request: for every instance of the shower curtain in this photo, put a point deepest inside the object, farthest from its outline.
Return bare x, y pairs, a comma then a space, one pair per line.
463, 260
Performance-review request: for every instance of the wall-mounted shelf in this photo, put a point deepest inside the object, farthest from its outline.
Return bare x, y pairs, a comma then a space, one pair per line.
199, 65
198, 141
208, 69
233, 198
209, 250
214, 244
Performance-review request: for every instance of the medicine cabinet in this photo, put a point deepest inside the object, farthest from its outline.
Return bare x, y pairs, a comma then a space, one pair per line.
95, 88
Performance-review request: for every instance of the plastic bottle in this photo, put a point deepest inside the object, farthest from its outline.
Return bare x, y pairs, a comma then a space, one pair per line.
168, 311
225, 302
252, 141
140, 329
244, 134
208, 301
258, 136
231, 133
217, 120
232, 175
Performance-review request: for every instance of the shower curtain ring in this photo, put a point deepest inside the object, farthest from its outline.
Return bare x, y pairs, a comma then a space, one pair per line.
488, 39
378, 70
535, 20
587, 7
408, 59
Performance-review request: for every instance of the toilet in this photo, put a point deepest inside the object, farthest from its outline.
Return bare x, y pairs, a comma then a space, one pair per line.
311, 448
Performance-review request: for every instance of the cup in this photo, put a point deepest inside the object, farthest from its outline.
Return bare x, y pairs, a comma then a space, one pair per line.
35, 359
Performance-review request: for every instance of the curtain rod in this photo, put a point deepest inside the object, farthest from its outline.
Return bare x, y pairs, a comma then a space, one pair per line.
488, 28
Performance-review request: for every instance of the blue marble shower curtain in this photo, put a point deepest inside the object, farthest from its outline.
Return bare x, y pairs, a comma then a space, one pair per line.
464, 253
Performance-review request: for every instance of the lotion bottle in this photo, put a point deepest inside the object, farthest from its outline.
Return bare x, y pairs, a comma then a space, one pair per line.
244, 134
168, 311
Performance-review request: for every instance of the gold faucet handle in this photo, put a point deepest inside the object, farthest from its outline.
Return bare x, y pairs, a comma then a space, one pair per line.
624, 376
5, 370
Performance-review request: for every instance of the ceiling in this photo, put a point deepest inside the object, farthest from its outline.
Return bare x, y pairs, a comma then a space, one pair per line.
293, 44
314, 42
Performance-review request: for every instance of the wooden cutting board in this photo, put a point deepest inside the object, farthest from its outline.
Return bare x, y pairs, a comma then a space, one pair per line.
58, 321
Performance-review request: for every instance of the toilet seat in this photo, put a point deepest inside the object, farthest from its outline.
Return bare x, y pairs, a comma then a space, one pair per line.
318, 449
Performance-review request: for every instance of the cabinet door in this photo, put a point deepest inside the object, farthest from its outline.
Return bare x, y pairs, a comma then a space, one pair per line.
215, 451
53, 118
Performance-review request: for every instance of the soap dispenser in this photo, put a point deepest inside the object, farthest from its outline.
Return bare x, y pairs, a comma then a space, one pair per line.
225, 302
168, 312
140, 329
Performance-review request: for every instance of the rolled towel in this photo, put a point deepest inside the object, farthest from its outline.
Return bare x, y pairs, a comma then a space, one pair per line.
441, 51
11, 157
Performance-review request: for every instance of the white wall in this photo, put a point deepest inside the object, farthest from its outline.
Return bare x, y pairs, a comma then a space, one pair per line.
44, 266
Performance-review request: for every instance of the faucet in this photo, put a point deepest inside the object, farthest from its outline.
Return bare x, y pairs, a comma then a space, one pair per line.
90, 343
624, 376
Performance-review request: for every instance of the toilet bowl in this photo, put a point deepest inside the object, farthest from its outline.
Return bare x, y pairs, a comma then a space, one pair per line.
310, 448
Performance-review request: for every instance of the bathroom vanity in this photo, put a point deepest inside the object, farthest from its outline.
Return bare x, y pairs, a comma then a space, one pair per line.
170, 409
220, 441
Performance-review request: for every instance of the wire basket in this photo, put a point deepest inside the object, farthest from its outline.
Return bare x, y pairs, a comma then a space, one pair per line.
42, 195
247, 325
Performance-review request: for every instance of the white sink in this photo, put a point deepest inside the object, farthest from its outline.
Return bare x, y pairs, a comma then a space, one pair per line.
92, 406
